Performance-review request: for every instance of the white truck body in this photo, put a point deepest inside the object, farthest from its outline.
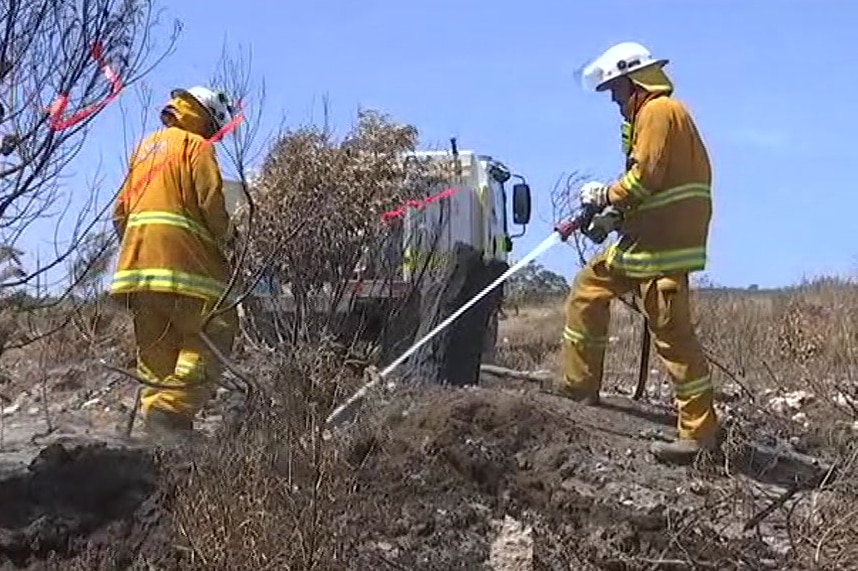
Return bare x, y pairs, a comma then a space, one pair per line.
475, 214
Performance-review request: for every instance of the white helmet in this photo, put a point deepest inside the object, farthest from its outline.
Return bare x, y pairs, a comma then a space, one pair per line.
215, 102
617, 61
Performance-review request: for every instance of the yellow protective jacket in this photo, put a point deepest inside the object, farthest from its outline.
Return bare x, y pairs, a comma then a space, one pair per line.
171, 214
664, 194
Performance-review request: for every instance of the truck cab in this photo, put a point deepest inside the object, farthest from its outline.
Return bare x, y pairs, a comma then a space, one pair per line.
475, 213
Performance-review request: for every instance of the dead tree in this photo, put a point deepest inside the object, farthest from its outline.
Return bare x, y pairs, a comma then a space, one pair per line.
61, 65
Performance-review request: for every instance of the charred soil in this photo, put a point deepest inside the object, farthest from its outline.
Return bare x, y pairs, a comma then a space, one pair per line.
431, 481
457, 463
81, 504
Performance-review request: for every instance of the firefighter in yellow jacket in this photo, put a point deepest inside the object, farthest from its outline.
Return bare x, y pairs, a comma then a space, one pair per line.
664, 206
173, 224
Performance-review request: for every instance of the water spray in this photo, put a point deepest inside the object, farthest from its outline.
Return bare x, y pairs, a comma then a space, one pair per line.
546, 245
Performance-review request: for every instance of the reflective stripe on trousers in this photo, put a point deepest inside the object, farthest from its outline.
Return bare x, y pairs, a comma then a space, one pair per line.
693, 388
192, 369
572, 336
146, 373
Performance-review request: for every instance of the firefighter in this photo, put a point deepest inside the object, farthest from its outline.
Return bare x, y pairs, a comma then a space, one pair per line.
172, 268
664, 205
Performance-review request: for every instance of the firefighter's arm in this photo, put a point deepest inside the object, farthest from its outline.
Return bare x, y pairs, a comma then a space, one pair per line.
120, 215
649, 158
120, 205
209, 187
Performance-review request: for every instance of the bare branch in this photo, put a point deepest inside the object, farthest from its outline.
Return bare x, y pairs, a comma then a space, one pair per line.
62, 64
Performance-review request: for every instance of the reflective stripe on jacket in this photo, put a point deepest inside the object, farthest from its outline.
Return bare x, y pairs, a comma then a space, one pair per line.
167, 281
664, 194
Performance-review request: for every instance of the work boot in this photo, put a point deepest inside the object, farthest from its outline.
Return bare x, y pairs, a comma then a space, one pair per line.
168, 428
585, 398
682, 450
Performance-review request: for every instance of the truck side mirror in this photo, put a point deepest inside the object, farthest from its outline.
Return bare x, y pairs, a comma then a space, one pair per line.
521, 203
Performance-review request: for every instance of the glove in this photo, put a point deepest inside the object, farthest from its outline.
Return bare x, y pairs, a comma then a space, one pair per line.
602, 224
594, 194
565, 229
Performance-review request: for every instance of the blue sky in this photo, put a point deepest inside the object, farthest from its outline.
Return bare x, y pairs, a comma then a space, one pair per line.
770, 84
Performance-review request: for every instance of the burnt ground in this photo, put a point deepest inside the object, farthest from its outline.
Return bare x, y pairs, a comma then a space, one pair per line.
580, 478
74, 498
479, 478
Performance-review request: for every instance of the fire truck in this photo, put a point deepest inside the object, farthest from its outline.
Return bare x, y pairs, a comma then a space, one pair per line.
478, 210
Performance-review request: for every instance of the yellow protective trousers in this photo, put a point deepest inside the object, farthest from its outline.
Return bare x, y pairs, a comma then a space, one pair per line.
171, 352
666, 305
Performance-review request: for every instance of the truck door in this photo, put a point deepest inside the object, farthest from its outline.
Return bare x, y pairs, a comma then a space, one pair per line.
496, 244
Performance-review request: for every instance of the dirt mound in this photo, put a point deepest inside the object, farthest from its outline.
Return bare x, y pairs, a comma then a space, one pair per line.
80, 499
456, 465
448, 479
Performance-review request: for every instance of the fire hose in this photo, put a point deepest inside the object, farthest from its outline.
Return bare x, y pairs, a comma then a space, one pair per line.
594, 223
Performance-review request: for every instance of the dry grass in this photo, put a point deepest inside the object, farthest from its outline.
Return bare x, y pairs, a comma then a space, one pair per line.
264, 496
789, 339
64, 335
763, 345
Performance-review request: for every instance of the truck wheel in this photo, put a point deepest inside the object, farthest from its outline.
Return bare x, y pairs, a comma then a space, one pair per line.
490, 339
400, 332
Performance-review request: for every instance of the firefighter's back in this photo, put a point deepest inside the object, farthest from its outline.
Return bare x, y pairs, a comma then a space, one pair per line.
166, 245
676, 218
